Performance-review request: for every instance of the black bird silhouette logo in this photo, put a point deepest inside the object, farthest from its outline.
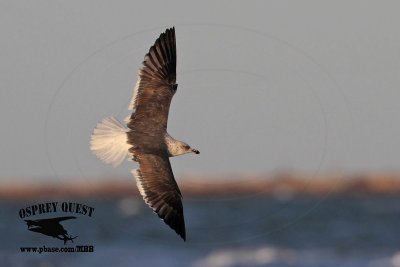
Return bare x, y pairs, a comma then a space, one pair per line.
51, 227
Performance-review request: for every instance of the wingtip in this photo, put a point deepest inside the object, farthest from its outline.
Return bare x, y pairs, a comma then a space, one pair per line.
167, 31
184, 238
182, 234
179, 229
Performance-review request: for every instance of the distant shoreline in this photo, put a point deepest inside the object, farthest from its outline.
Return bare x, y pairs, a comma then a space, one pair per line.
282, 185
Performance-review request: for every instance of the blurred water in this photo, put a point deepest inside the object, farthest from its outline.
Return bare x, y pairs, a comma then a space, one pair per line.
360, 230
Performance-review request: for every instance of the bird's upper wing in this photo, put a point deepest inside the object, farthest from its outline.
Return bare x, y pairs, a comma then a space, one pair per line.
156, 85
159, 189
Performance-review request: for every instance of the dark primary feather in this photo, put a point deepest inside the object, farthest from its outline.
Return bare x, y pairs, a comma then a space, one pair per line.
157, 85
148, 126
160, 190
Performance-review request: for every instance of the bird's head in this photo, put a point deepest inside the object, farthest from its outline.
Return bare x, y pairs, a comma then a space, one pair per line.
189, 149
180, 148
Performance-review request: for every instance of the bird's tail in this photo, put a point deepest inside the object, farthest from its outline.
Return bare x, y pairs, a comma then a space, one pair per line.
109, 141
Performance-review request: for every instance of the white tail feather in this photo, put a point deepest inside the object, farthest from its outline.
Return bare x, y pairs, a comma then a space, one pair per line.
109, 141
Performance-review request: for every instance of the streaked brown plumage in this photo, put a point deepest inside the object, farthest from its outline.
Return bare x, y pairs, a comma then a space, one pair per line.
146, 138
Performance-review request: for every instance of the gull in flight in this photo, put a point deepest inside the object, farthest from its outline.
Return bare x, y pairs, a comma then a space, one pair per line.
145, 139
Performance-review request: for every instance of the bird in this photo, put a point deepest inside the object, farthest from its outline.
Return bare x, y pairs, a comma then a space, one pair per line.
51, 227
144, 137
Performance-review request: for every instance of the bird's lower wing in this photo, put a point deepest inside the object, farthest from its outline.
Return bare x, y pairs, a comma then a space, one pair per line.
159, 189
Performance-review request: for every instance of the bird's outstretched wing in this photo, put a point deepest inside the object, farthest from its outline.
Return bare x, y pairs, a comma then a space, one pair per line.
159, 189
155, 86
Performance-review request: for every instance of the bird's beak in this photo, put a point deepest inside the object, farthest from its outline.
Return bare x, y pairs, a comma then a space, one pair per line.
195, 151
